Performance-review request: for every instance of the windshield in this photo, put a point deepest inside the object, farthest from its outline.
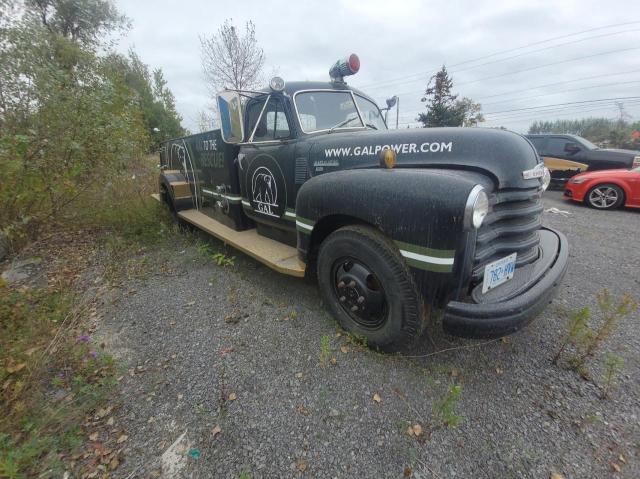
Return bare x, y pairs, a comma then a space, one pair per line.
588, 144
370, 113
326, 110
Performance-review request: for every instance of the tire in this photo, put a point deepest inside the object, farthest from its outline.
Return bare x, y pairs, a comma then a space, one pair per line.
167, 200
605, 197
357, 262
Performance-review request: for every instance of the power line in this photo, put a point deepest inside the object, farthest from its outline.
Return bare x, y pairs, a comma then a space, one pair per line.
538, 118
542, 49
531, 115
392, 80
558, 83
565, 104
541, 86
530, 68
563, 91
548, 40
545, 111
550, 64
419, 110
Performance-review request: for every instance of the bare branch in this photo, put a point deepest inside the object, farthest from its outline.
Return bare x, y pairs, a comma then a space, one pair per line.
230, 60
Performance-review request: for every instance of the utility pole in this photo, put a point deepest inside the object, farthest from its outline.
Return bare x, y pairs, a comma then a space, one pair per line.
397, 111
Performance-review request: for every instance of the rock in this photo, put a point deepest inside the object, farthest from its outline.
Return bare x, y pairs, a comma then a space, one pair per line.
23, 270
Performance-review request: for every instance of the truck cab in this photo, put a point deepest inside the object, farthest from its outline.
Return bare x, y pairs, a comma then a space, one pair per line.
397, 224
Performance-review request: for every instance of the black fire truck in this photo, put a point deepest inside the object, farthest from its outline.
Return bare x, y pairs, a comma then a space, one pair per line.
398, 225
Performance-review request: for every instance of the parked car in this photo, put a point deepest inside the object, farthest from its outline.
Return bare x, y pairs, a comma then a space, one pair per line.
568, 155
607, 189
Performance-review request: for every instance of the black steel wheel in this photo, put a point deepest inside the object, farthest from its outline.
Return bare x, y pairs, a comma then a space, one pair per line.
605, 197
359, 292
368, 287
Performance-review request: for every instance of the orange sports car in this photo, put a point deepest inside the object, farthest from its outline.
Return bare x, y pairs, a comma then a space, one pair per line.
606, 189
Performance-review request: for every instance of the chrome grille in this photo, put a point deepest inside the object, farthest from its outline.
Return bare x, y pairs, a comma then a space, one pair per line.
511, 226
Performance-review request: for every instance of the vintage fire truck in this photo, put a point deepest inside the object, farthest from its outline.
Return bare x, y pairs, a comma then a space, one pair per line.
398, 225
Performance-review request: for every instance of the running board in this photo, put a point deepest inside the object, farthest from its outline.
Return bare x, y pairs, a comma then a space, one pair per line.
277, 256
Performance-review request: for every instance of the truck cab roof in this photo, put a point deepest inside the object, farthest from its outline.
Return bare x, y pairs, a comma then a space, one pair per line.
291, 88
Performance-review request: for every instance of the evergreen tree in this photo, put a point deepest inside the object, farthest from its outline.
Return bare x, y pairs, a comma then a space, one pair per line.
443, 106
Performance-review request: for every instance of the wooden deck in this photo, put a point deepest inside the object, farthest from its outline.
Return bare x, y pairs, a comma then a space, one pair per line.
277, 256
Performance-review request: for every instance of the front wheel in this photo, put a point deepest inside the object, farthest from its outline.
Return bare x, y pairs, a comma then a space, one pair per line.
369, 288
605, 197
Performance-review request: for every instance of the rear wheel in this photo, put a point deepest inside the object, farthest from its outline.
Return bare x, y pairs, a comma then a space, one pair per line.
369, 288
605, 197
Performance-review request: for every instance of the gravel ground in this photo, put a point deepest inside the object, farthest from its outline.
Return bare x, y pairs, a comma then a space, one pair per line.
203, 333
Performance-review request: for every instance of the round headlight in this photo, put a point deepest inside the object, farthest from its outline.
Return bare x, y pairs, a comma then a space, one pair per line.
276, 84
476, 208
546, 179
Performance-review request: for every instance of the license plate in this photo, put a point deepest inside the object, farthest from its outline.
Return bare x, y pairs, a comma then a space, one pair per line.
499, 272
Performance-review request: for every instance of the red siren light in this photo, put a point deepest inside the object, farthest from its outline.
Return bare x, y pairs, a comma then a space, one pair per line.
354, 63
343, 68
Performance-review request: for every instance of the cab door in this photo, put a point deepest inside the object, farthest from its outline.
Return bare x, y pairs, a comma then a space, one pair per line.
563, 157
266, 162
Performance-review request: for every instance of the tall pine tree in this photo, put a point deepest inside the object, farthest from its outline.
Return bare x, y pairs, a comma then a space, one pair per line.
444, 108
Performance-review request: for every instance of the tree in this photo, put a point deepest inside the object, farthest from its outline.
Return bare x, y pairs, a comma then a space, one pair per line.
444, 108
67, 122
155, 100
85, 22
471, 111
231, 60
617, 133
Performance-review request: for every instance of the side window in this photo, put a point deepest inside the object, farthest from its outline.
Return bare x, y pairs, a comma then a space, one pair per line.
538, 143
273, 123
555, 146
254, 108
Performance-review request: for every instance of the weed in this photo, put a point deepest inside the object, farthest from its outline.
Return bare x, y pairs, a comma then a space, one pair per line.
222, 259
358, 339
207, 250
578, 331
613, 367
325, 349
293, 314
444, 408
244, 475
403, 425
586, 339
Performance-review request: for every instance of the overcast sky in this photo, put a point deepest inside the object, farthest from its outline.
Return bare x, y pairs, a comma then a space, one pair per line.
402, 43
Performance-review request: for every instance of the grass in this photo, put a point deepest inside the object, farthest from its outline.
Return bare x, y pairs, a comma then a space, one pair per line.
444, 408
325, 348
48, 386
53, 376
207, 250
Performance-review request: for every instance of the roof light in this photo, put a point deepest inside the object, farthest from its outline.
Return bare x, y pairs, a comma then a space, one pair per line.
343, 68
276, 84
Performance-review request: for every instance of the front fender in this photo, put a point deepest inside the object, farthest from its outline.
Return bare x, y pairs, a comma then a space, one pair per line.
421, 210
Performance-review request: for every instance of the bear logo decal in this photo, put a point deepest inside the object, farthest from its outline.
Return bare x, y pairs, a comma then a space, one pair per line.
264, 191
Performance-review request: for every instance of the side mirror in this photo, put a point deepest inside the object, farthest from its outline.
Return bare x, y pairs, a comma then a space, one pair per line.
571, 148
231, 116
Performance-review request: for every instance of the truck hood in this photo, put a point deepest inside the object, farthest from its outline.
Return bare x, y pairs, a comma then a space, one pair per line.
503, 155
